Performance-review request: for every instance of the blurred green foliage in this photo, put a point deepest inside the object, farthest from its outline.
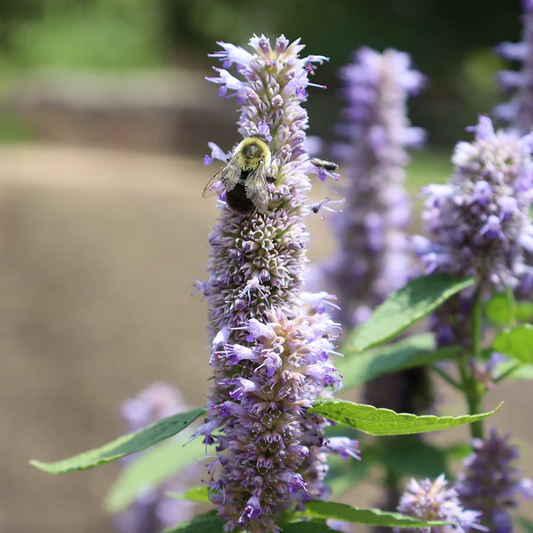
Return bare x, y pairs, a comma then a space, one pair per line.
106, 34
450, 42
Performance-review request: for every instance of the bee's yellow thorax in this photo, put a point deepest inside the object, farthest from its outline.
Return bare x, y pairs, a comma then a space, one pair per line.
248, 160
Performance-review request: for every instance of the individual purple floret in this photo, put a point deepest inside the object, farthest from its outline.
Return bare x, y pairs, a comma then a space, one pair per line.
373, 257
490, 483
479, 222
270, 342
154, 510
433, 501
518, 113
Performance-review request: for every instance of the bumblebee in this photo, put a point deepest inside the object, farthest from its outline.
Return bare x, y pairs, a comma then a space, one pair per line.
244, 177
326, 165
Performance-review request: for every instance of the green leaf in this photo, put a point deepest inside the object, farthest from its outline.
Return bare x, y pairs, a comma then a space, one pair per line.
358, 368
370, 517
380, 422
516, 342
150, 470
198, 494
307, 527
525, 523
405, 307
524, 311
501, 309
523, 372
411, 456
125, 445
205, 523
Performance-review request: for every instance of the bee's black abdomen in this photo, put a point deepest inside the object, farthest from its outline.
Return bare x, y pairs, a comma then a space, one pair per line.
238, 201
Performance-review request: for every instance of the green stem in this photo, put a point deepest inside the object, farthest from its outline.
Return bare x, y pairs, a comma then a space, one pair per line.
475, 406
473, 390
446, 377
477, 323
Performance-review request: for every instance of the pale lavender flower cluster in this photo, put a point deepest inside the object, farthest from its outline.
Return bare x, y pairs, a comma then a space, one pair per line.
518, 113
490, 483
373, 259
479, 222
434, 501
154, 510
271, 342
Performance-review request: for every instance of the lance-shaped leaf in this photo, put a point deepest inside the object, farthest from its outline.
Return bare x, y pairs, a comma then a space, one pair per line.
205, 523
358, 368
381, 422
198, 494
406, 306
152, 469
523, 372
370, 517
125, 445
307, 527
516, 342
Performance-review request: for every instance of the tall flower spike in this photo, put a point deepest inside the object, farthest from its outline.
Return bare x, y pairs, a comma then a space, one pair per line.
271, 344
518, 112
373, 257
490, 483
154, 510
433, 501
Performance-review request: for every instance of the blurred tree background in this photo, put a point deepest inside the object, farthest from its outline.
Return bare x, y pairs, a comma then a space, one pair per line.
451, 42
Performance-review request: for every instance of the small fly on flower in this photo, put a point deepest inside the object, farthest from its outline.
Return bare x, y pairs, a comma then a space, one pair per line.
326, 165
244, 177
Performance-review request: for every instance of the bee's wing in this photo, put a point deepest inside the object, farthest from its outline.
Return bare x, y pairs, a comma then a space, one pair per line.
228, 176
257, 187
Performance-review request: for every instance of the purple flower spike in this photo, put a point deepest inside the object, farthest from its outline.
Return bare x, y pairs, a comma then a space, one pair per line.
376, 211
433, 501
271, 342
490, 483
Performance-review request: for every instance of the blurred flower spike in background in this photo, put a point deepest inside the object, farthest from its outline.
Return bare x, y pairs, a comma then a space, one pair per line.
373, 258
491, 483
